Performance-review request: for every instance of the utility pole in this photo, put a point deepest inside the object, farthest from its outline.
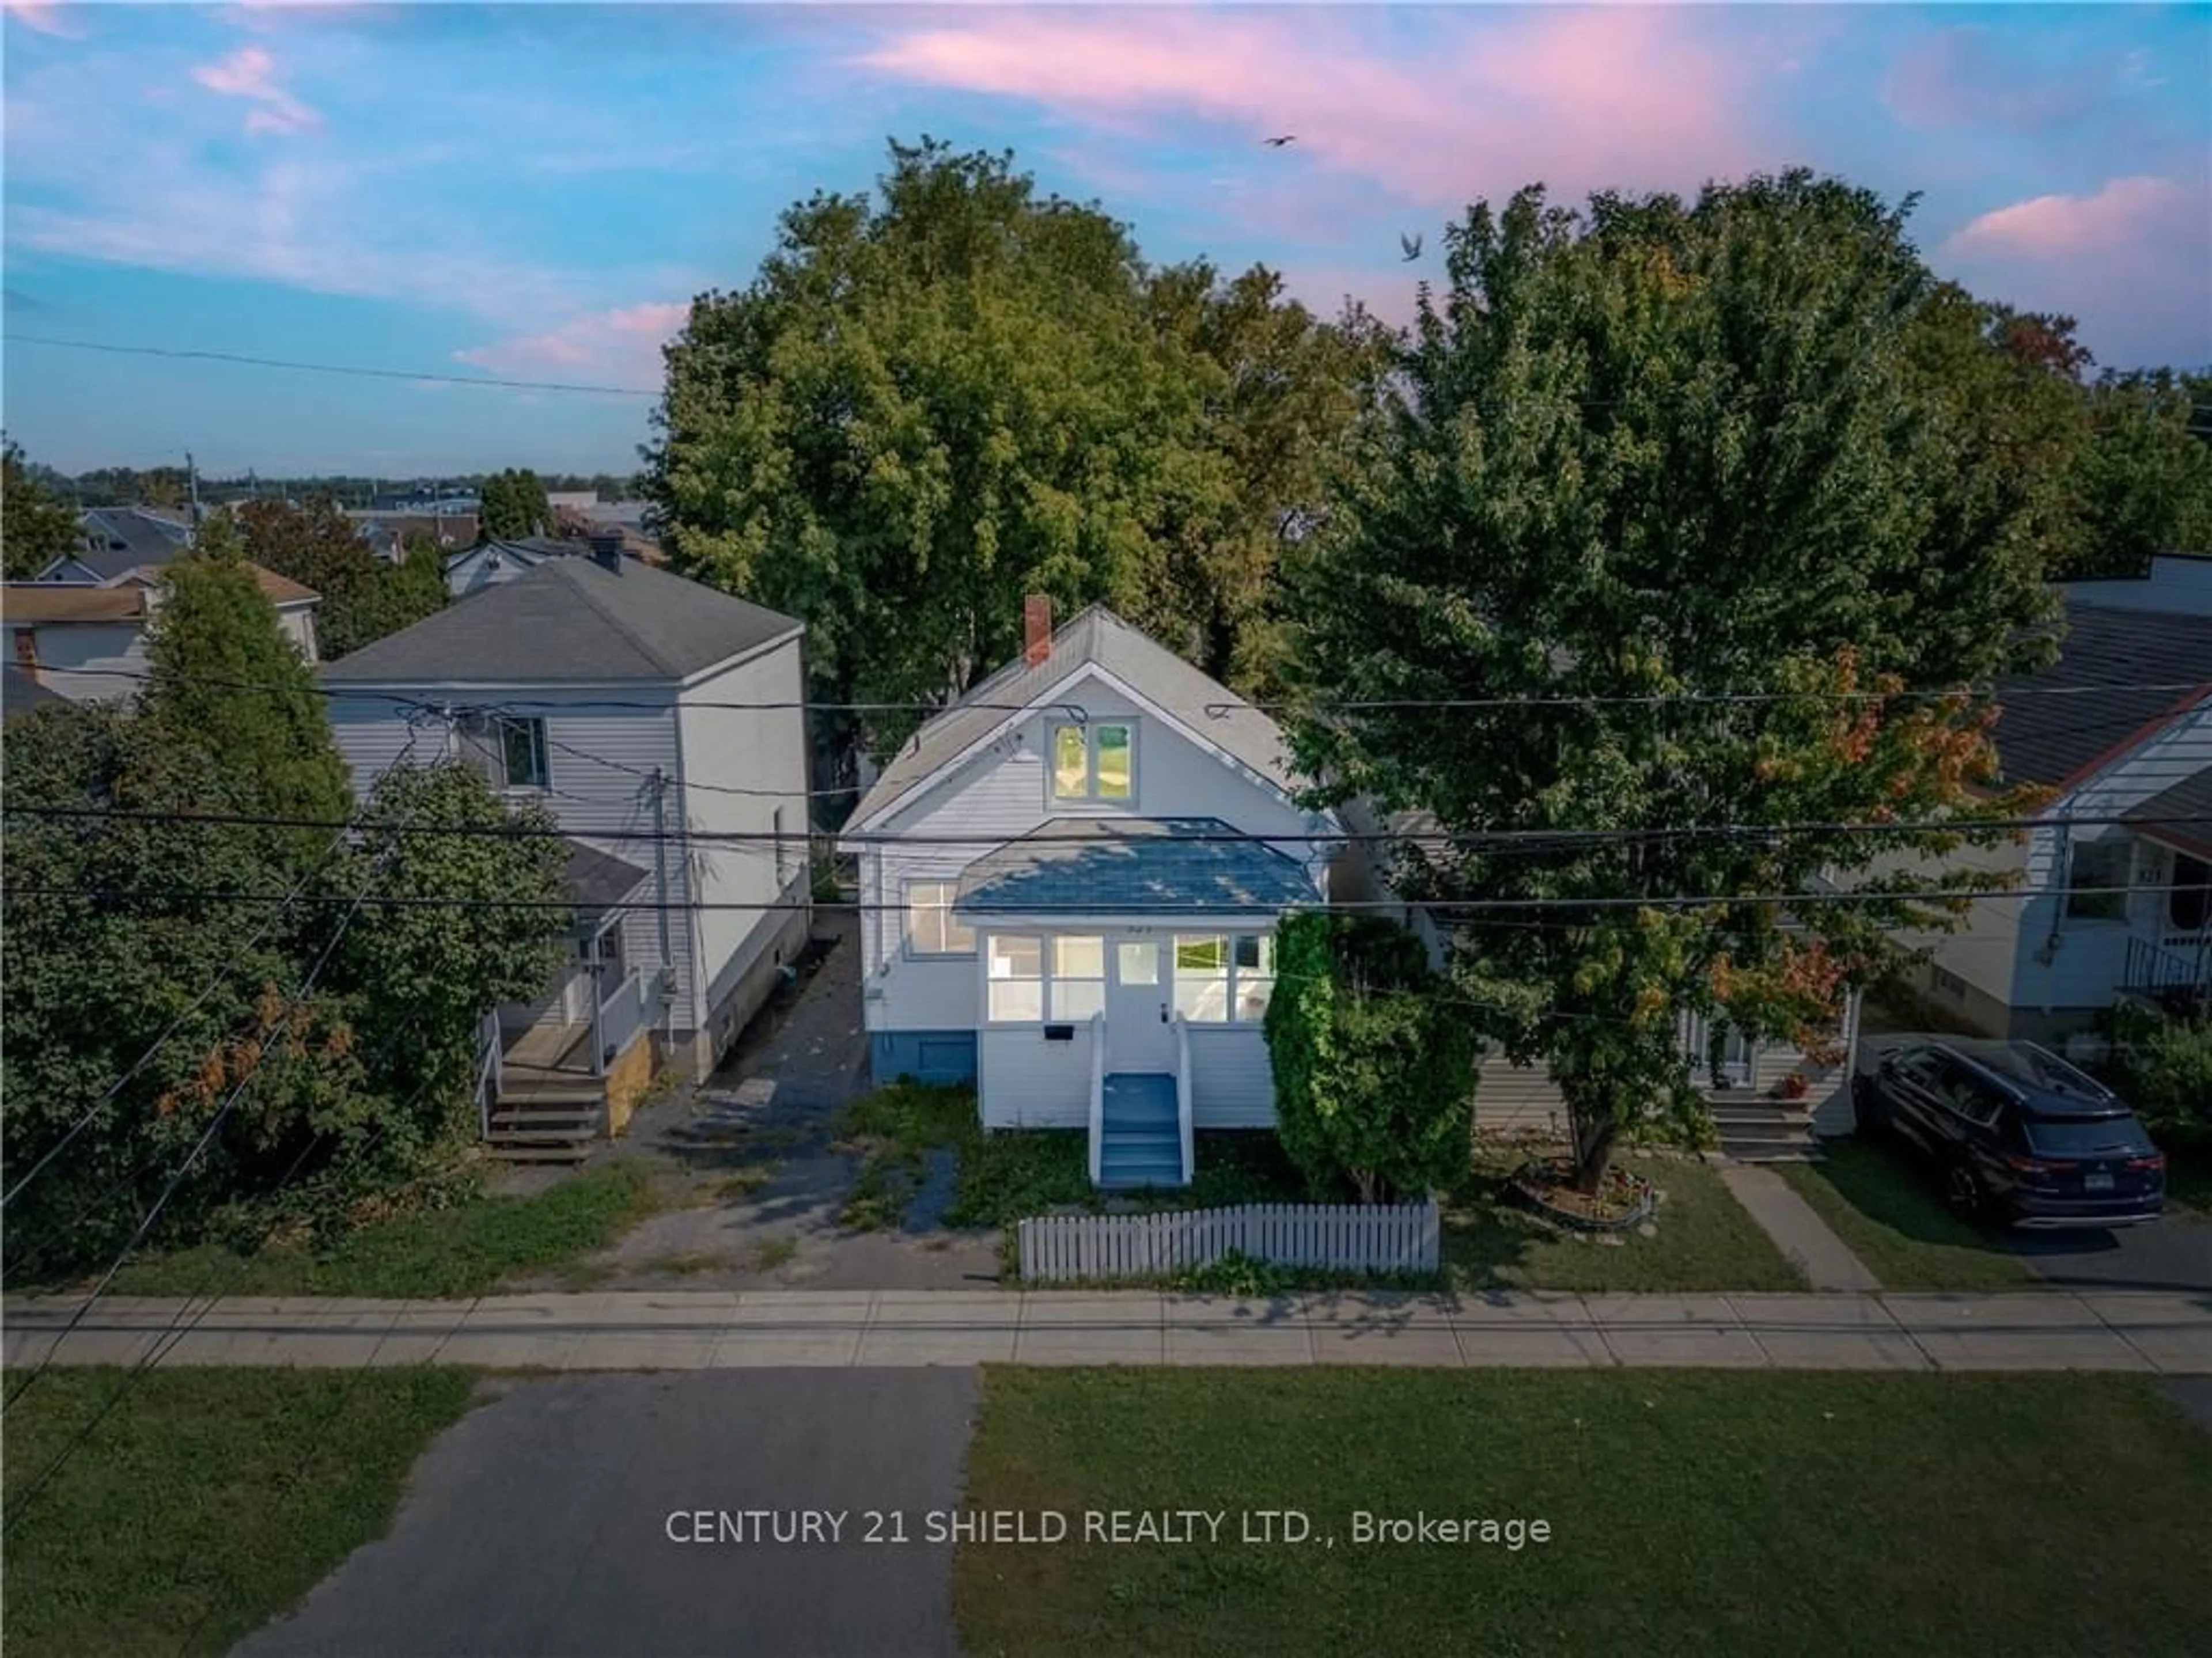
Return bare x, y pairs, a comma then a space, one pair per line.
193, 485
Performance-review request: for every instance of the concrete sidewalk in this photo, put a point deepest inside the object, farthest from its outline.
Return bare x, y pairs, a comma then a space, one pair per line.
2047, 1330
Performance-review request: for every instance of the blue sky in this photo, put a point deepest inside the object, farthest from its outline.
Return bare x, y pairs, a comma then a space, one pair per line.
535, 190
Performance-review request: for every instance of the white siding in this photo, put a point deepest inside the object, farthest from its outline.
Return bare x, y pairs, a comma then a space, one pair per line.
1232, 1078
999, 793
725, 751
596, 757
1026, 1082
297, 624
1515, 1098
70, 653
2074, 962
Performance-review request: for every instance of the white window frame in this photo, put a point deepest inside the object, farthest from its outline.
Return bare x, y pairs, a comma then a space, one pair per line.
1090, 987
483, 737
992, 981
1233, 978
948, 930
2099, 905
1089, 729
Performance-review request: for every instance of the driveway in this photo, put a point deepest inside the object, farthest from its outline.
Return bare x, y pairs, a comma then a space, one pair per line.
538, 1526
763, 1176
2173, 1253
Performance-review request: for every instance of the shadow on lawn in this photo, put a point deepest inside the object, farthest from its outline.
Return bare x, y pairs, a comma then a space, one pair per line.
1883, 1184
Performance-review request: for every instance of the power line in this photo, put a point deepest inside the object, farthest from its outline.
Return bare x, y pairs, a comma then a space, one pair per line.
331, 368
1541, 838
1216, 710
1012, 916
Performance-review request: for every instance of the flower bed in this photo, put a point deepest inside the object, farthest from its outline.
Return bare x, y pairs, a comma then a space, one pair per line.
1622, 1201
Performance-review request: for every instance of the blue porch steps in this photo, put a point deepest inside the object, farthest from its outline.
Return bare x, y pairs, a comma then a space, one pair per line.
1143, 1143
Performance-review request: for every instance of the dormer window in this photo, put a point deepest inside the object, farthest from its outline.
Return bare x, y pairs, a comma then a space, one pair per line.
1094, 761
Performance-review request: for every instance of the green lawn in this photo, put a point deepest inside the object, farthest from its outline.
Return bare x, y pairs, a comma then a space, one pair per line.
469, 1250
1889, 1215
1691, 1512
1020, 1172
208, 1501
1705, 1240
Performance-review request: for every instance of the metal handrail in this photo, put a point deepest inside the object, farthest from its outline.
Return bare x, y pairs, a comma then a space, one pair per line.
1184, 1124
1098, 1094
488, 1075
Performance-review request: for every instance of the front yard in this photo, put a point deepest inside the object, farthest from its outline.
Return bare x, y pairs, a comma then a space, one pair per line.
1888, 1214
1690, 1512
471, 1248
207, 1503
1701, 1240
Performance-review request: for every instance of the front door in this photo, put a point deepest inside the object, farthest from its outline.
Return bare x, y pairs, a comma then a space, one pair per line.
1137, 1034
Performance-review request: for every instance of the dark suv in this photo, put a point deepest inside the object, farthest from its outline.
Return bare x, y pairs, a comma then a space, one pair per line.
2020, 1135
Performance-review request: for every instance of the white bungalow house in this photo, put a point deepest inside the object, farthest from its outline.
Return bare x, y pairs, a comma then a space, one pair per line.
2116, 878
647, 713
1062, 900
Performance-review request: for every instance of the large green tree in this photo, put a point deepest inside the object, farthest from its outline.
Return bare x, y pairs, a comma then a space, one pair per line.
226, 680
37, 526
511, 505
315, 545
1668, 533
934, 400
108, 944
2143, 478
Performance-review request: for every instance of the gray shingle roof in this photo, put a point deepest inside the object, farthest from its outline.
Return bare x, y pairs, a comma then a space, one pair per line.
1132, 866
1092, 635
569, 621
2180, 816
595, 881
2049, 739
146, 540
20, 693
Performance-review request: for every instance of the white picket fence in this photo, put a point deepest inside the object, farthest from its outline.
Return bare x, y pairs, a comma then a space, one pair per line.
1339, 1237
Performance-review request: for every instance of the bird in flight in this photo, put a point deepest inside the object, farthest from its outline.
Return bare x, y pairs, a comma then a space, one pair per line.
1277, 143
1411, 245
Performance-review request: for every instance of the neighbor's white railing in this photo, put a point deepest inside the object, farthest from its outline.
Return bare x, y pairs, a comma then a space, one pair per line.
488, 1074
623, 1016
1097, 1093
1341, 1237
1183, 1123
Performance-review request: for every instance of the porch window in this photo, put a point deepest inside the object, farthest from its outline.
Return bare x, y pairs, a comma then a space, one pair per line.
1078, 976
1016, 973
2097, 880
1201, 979
1094, 762
930, 929
1255, 975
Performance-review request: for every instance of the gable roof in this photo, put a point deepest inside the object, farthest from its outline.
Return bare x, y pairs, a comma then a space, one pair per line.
2179, 816
2110, 654
569, 621
145, 538
1093, 637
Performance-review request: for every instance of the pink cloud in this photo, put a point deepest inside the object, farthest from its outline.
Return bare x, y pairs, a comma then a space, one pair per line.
1620, 96
2051, 226
621, 346
43, 15
249, 73
2132, 260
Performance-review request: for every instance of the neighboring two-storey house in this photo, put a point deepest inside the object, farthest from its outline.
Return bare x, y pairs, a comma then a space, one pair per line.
649, 714
87, 642
1070, 892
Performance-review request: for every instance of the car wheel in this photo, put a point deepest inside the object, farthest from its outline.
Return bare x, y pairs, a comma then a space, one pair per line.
1962, 1192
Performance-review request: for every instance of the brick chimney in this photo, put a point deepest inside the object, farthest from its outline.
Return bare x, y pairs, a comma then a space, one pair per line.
1037, 630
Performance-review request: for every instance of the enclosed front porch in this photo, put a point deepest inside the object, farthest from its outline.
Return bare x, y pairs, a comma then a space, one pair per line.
1141, 1027
567, 1070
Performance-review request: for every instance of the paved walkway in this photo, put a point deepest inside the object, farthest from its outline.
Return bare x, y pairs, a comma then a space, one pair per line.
2044, 1330
1797, 1228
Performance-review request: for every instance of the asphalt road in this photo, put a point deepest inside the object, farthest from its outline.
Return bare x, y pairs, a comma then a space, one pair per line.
538, 1526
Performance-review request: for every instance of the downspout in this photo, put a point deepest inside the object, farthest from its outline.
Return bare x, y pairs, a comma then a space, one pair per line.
659, 786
